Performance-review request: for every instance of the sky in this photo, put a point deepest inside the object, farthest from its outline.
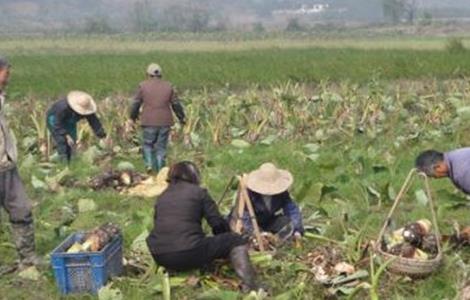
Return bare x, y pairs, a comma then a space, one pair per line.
129, 15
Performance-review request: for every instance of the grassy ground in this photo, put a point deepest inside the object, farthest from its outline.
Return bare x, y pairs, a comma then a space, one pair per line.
367, 136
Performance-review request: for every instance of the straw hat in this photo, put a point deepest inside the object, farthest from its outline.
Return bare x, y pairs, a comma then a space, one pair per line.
269, 180
154, 70
81, 103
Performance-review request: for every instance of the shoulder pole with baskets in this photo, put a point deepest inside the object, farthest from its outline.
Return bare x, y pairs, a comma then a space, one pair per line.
410, 266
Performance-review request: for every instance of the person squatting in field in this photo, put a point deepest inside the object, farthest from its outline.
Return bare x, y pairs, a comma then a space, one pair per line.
454, 164
157, 99
13, 196
274, 208
62, 119
177, 240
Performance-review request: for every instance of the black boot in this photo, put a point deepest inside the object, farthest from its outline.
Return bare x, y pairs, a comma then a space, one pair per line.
241, 263
23, 235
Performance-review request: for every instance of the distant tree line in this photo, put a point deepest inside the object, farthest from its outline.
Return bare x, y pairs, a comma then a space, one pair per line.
114, 16
397, 10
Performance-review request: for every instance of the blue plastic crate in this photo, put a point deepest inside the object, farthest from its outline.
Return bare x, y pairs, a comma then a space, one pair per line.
85, 272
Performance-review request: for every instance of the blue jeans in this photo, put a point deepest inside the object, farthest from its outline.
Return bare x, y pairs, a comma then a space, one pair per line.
155, 142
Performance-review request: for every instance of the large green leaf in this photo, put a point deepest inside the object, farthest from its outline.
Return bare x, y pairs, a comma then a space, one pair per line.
86, 205
241, 144
421, 197
109, 293
37, 183
216, 294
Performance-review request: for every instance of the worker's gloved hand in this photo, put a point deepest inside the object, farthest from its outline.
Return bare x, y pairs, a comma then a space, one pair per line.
70, 141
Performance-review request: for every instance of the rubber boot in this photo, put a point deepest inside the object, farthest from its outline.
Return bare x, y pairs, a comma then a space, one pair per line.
23, 235
148, 160
241, 263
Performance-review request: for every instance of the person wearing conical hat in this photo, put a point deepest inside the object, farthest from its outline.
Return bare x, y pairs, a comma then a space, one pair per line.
155, 102
13, 197
62, 119
275, 210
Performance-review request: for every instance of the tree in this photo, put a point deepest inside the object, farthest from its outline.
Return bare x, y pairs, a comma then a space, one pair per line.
142, 18
98, 25
294, 25
395, 10
185, 16
410, 9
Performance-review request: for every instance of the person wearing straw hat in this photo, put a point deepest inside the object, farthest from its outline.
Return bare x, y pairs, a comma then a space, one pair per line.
13, 196
62, 119
453, 164
157, 100
274, 208
177, 240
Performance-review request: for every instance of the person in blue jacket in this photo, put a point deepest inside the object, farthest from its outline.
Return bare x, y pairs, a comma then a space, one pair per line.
62, 119
275, 210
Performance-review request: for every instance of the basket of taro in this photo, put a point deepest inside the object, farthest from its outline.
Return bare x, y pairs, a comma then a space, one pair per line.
415, 249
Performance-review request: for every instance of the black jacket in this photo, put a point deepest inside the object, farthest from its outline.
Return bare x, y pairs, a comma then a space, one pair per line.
178, 218
64, 115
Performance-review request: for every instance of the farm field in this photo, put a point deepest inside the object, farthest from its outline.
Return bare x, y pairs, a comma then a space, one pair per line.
48, 67
346, 118
215, 43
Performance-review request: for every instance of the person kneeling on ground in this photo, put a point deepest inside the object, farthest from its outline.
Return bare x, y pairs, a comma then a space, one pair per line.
13, 196
177, 240
62, 119
268, 191
454, 164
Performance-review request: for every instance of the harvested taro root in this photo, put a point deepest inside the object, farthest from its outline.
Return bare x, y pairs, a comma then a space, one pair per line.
429, 244
96, 239
461, 237
116, 179
322, 261
415, 241
415, 232
329, 268
269, 240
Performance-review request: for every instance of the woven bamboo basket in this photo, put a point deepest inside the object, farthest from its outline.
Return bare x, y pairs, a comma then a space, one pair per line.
410, 266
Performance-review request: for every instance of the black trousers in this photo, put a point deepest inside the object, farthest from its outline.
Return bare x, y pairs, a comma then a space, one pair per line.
210, 248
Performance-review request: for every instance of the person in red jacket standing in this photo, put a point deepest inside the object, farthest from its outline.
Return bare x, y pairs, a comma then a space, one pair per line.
155, 101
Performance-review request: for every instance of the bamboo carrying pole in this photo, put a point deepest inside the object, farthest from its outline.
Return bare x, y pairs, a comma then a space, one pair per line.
243, 201
227, 188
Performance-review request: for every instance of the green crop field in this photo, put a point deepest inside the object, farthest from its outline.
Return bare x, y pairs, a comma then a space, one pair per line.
346, 119
52, 67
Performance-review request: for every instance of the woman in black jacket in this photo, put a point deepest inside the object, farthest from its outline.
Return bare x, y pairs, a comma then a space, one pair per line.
177, 240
